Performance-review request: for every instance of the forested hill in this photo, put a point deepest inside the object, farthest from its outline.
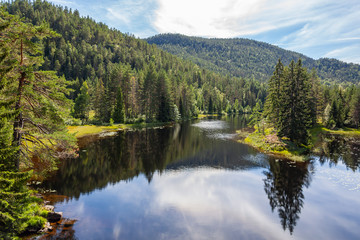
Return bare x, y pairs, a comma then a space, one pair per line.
249, 58
116, 74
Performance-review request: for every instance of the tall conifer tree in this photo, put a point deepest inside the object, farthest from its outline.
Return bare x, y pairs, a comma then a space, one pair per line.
119, 110
272, 105
39, 96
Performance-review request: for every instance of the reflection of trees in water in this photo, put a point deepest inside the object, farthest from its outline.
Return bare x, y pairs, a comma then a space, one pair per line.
336, 149
131, 153
284, 186
123, 157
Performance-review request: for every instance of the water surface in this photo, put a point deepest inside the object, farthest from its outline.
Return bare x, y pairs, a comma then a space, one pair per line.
194, 181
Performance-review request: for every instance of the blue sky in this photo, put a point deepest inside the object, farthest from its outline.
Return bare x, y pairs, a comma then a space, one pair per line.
316, 28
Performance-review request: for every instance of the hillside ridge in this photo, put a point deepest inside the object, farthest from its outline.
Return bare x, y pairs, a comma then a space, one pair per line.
247, 58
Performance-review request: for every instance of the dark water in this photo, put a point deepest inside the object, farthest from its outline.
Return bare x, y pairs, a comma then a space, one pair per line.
194, 181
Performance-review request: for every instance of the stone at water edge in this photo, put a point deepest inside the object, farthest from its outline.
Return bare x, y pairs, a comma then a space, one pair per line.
49, 208
54, 216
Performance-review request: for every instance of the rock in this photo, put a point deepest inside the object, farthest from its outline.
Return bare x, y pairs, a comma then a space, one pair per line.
47, 202
54, 216
69, 222
49, 208
46, 228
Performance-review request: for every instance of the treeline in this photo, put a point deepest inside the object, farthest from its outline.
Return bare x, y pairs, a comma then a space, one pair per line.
120, 71
249, 58
296, 102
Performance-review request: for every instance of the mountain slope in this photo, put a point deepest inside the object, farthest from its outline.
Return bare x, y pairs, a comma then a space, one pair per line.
155, 84
249, 58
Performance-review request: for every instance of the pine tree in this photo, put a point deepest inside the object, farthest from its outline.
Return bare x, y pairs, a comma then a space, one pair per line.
333, 116
164, 110
7, 150
82, 102
119, 110
290, 102
149, 93
211, 107
99, 97
355, 109
39, 96
316, 97
272, 105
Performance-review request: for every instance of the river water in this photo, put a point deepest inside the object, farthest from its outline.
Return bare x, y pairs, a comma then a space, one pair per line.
194, 181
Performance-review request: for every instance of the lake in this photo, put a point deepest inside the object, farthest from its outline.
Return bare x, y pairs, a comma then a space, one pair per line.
195, 181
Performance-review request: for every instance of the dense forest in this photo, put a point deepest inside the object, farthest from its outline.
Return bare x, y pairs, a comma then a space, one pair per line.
122, 78
296, 102
251, 59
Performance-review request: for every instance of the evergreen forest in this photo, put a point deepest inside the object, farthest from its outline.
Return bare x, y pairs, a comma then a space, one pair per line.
251, 59
59, 69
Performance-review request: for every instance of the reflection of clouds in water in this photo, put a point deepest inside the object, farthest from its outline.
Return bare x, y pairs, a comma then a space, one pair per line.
222, 136
211, 125
117, 230
212, 129
348, 179
216, 203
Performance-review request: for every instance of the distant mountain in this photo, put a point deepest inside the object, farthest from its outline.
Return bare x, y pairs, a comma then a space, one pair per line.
249, 58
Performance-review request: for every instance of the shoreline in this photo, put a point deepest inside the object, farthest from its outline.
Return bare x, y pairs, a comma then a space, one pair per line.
270, 144
81, 131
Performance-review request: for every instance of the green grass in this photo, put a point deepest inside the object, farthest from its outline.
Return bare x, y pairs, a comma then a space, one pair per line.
81, 131
86, 130
344, 131
287, 149
207, 115
278, 147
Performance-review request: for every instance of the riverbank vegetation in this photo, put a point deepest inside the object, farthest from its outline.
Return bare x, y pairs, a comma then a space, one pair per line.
298, 109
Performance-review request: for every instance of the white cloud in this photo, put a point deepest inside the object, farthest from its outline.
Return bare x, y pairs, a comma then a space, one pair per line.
322, 21
62, 2
127, 10
217, 198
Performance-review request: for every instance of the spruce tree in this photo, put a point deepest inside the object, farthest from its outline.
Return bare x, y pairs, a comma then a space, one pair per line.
355, 109
164, 110
82, 102
289, 104
119, 110
211, 107
7, 150
273, 104
19, 211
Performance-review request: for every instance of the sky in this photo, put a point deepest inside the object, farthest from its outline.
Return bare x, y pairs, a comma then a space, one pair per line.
316, 28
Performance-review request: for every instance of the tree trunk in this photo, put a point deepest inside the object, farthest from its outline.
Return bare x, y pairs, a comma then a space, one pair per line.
19, 121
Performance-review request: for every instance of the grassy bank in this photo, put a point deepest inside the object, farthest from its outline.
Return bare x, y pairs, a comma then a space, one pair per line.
88, 130
81, 131
267, 141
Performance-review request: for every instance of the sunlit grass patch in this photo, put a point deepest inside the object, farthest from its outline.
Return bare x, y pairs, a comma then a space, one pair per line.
343, 131
84, 130
271, 144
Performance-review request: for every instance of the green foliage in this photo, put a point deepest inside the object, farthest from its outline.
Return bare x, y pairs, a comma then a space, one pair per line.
291, 106
81, 107
91, 52
38, 97
19, 211
249, 58
119, 111
355, 109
